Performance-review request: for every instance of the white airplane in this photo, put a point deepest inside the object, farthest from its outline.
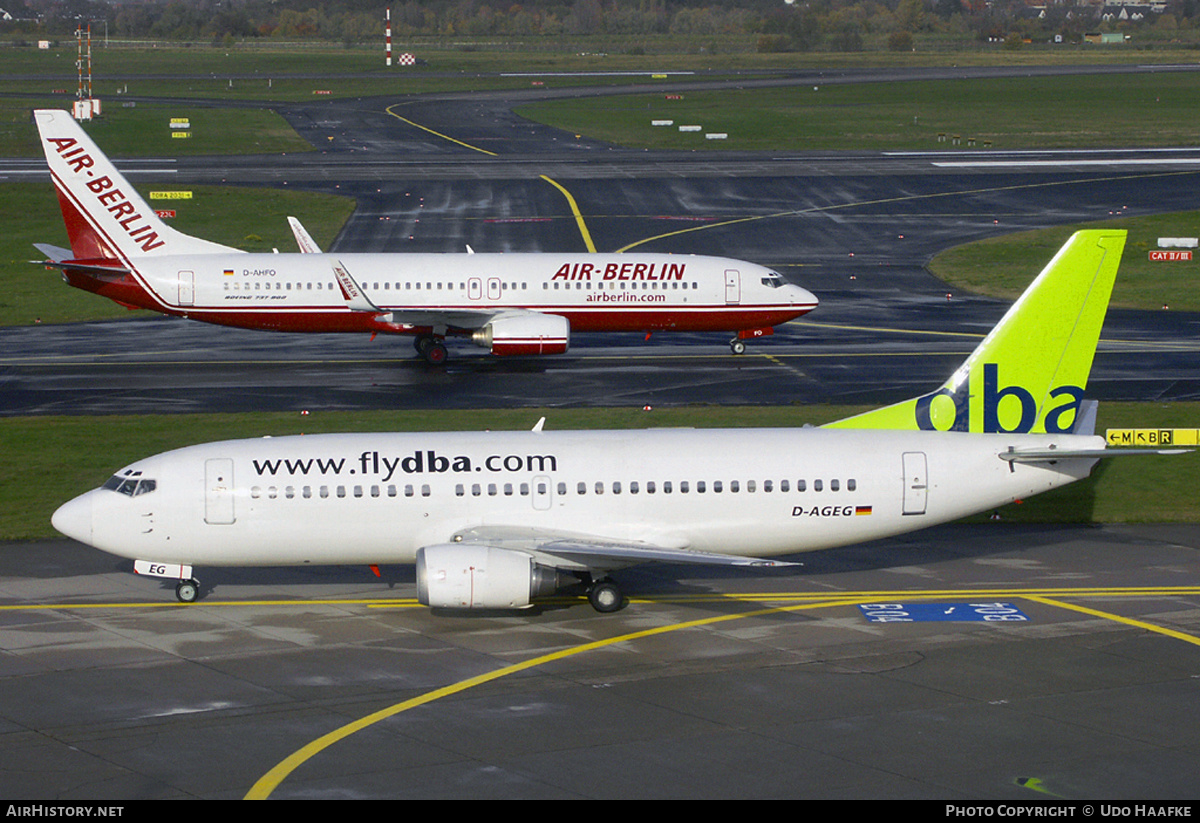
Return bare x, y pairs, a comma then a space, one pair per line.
497, 519
512, 304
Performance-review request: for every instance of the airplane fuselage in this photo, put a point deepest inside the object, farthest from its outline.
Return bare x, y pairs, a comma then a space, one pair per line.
418, 292
378, 498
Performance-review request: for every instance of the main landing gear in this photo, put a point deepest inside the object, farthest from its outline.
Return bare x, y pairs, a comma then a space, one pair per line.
431, 349
186, 591
737, 346
606, 596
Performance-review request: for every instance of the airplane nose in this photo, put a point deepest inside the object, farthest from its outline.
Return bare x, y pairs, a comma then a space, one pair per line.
74, 518
804, 297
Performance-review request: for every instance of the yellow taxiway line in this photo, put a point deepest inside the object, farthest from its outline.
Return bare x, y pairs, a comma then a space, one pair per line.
267, 784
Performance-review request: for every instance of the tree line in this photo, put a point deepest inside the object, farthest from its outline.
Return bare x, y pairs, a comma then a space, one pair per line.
771, 25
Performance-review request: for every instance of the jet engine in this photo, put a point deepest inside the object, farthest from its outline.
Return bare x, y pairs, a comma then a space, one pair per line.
525, 333
462, 576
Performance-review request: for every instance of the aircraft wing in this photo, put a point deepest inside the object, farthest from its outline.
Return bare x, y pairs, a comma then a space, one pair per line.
451, 318
598, 552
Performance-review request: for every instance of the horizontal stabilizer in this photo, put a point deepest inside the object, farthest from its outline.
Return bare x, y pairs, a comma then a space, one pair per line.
60, 258
54, 254
1049, 455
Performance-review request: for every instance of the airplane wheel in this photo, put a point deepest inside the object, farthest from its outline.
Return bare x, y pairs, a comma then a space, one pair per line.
435, 353
420, 342
187, 591
606, 597
737, 346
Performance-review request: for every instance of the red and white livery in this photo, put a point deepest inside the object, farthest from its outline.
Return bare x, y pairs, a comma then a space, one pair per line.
512, 304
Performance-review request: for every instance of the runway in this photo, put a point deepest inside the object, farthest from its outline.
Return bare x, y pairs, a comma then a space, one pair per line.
812, 683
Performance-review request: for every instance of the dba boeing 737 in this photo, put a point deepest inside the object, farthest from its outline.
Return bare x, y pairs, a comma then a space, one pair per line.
496, 519
512, 304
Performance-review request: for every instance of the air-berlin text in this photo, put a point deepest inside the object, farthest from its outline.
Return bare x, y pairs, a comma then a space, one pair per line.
620, 271
109, 197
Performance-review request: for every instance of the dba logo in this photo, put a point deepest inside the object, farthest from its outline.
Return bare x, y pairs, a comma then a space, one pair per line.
953, 413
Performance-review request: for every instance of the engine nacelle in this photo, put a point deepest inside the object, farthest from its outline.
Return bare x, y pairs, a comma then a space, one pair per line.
525, 333
467, 576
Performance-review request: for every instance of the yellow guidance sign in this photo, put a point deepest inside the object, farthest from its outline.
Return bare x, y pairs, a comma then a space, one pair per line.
1153, 437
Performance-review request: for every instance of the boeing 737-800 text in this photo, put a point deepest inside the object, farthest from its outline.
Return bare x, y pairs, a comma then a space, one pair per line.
526, 303
496, 519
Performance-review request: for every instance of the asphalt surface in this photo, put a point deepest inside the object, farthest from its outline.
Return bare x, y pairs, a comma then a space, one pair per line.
709, 683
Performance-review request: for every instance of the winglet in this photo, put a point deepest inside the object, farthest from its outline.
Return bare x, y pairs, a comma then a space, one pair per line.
303, 239
1029, 373
355, 298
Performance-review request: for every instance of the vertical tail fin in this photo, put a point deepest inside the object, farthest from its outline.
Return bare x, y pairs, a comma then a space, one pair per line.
1029, 373
105, 216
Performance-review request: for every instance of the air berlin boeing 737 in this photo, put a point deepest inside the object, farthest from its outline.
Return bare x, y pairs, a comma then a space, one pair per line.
509, 303
495, 519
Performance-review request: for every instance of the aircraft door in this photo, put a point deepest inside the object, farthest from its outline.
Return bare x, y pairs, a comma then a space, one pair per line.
187, 288
493, 288
733, 287
218, 491
541, 493
916, 482
475, 288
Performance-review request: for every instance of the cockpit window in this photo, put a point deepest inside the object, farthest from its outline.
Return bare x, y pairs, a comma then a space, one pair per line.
130, 483
773, 280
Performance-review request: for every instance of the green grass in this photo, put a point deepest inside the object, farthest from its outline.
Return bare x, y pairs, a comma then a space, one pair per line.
144, 130
247, 218
45, 461
1004, 266
1011, 113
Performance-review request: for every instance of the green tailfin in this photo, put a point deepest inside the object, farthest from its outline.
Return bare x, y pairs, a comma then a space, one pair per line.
1029, 373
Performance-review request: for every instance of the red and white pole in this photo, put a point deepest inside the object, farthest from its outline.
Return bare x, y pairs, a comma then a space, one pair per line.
389, 37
